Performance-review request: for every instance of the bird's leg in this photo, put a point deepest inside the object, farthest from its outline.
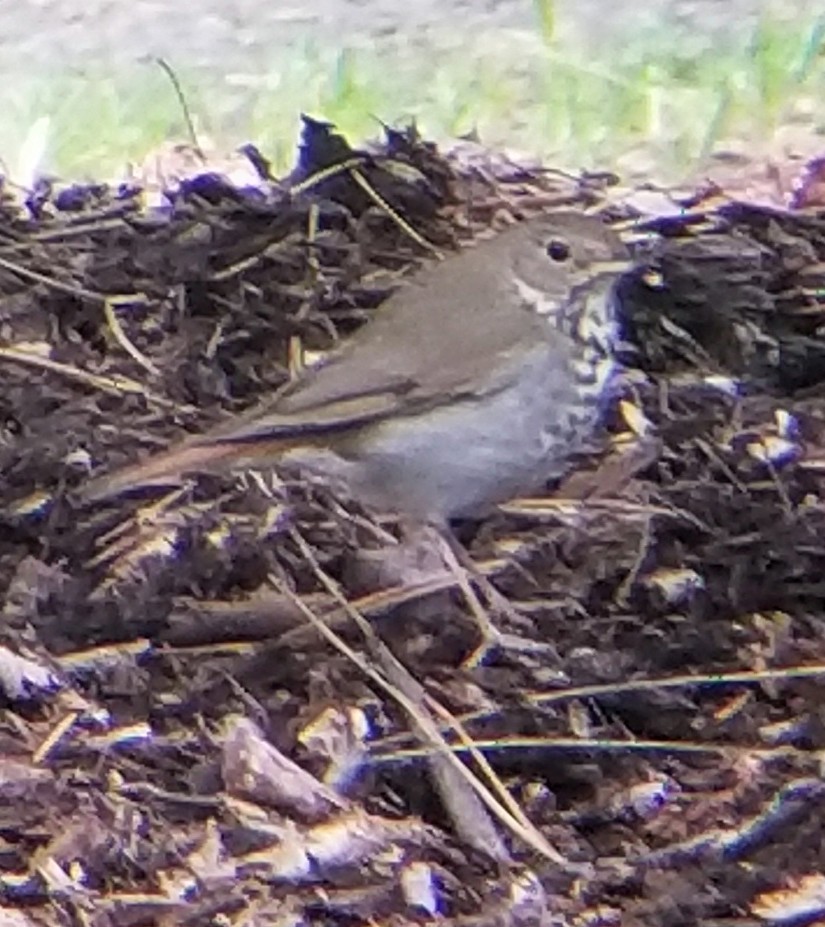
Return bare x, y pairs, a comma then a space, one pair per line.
467, 573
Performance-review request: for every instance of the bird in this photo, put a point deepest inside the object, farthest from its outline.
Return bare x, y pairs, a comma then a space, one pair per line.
476, 381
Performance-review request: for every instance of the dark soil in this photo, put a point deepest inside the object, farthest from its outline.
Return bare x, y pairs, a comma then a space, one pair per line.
179, 745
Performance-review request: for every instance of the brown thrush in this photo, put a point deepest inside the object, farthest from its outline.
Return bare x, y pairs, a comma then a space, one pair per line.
474, 383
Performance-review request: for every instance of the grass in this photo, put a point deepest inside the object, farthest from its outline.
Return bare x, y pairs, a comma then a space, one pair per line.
655, 97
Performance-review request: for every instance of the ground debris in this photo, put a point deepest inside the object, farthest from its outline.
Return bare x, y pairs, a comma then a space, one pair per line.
181, 745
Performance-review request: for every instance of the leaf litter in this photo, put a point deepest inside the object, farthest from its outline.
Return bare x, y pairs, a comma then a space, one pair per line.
244, 700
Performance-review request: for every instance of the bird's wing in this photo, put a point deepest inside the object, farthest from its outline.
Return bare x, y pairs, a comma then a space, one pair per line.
426, 346
449, 349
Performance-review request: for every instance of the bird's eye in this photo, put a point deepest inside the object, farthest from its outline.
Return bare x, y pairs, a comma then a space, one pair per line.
558, 250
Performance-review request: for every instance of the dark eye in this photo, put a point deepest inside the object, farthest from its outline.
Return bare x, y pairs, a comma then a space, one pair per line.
558, 250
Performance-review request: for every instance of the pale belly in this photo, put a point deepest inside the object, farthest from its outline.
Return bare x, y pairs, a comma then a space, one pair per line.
461, 460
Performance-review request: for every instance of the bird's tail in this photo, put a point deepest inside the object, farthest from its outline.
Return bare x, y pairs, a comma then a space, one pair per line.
166, 469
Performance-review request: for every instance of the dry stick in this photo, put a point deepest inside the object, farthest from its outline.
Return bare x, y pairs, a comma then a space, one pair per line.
402, 223
351, 166
375, 603
84, 226
560, 506
468, 815
709, 451
579, 693
70, 288
428, 730
190, 125
117, 386
606, 744
325, 174
108, 303
747, 677
781, 490
120, 539
461, 579
622, 594
233, 270
295, 350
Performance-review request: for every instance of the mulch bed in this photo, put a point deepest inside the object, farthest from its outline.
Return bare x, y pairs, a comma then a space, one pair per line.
180, 745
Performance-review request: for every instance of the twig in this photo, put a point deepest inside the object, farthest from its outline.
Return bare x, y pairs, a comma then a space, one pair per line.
399, 220
428, 730
117, 386
190, 125
120, 336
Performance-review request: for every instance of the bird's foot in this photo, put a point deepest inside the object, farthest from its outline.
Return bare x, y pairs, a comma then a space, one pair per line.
470, 579
492, 638
484, 601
